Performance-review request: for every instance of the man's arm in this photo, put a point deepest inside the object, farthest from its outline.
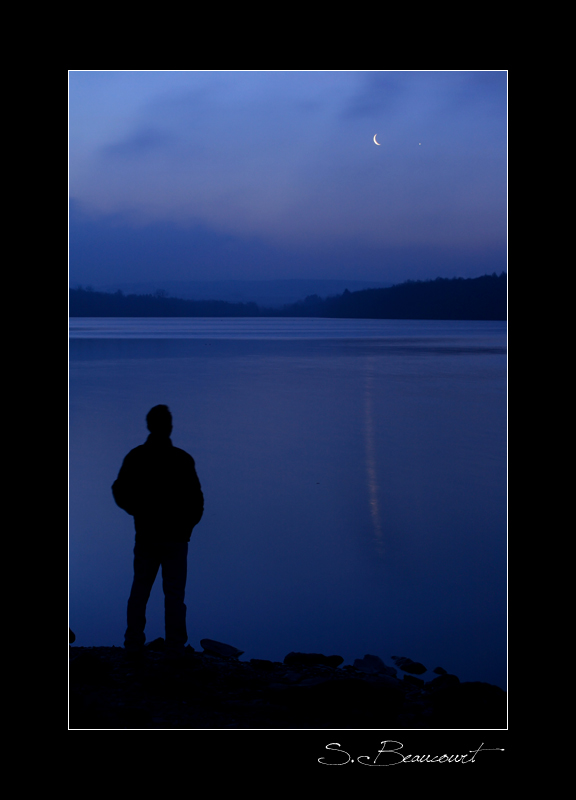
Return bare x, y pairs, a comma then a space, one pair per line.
196, 496
123, 489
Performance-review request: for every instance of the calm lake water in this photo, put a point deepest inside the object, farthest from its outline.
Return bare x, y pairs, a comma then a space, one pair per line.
354, 474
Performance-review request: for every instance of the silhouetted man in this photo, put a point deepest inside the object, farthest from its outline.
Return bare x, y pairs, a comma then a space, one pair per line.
158, 485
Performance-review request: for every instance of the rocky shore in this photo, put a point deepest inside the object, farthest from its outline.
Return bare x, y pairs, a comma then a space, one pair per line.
109, 689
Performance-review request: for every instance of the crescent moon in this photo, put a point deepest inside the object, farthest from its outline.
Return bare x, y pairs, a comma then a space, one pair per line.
375, 142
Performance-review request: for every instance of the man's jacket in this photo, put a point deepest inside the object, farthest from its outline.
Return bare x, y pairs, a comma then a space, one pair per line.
158, 485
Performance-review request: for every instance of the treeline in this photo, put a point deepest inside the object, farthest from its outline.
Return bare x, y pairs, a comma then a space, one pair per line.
444, 298
88, 303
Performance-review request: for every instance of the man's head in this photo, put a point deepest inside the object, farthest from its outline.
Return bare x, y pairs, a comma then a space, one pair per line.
159, 420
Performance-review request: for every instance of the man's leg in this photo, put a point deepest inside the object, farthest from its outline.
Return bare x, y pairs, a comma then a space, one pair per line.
174, 568
146, 565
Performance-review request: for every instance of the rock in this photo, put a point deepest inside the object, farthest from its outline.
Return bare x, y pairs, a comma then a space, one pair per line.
381, 679
343, 703
87, 667
157, 645
214, 648
369, 663
71, 636
407, 665
133, 718
373, 664
315, 680
439, 671
443, 682
469, 705
262, 663
312, 660
211, 692
292, 677
135, 657
412, 680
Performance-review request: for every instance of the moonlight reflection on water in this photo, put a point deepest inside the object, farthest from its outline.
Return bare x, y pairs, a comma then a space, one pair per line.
354, 473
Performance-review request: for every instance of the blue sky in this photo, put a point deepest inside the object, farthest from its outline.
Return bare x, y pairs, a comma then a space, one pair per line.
204, 175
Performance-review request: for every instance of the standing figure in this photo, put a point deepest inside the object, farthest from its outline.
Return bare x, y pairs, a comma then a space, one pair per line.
158, 486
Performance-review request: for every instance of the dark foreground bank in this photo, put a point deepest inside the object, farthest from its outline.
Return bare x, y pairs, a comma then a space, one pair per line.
214, 689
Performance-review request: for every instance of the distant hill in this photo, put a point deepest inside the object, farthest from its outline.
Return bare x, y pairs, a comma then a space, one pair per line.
483, 298
443, 298
265, 293
88, 303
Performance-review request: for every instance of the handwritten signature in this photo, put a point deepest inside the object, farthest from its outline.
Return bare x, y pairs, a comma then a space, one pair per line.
389, 754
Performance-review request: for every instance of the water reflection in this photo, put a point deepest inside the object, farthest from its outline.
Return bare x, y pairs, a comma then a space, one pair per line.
356, 498
405, 334
370, 444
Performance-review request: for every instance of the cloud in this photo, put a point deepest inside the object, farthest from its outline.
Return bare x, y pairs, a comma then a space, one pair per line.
140, 143
115, 248
288, 157
378, 93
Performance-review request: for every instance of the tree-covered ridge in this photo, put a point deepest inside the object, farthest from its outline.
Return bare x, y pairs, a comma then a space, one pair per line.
443, 298
88, 303
483, 298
